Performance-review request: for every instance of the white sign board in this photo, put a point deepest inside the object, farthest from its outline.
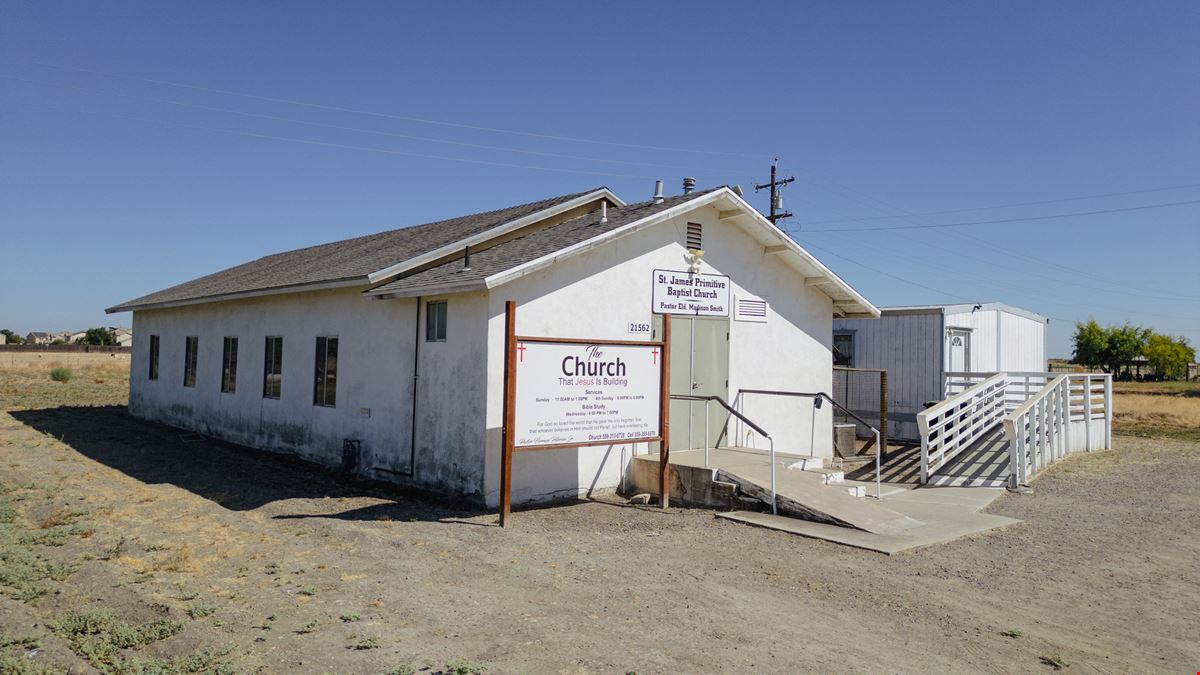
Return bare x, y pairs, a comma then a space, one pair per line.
586, 393
687, 293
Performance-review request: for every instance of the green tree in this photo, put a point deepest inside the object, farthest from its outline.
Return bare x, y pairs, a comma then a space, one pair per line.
1091, 341
1124, 344
11, 337
1169, 357
97, 336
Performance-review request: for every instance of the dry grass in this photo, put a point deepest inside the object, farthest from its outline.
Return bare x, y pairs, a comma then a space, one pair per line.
98, 379
1156, 414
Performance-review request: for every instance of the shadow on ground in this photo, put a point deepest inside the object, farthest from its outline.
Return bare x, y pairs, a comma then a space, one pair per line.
236, 477
900, 465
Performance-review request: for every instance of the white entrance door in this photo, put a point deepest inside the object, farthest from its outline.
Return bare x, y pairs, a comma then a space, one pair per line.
960, 350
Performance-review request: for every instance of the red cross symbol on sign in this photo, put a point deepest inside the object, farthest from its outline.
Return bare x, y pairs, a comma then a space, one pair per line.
654, 353
521, 349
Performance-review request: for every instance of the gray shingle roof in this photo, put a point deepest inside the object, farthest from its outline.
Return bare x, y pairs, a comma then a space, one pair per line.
532, 246
348, 259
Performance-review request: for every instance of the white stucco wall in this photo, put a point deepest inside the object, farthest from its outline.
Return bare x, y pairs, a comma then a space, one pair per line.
597, 293
375, 372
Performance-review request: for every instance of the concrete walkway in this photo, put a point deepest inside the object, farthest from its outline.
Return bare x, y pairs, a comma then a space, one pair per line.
904, 519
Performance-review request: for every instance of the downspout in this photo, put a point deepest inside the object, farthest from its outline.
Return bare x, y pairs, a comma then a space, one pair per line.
412, 445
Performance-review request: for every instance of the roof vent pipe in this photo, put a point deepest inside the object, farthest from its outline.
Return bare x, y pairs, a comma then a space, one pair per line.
658, 195
603, 211
466, 258
689, 184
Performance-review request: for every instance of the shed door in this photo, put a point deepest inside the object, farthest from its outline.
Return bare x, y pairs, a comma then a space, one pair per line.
960, 350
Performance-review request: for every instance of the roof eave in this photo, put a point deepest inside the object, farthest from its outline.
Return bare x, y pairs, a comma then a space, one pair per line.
859, 304
348, 282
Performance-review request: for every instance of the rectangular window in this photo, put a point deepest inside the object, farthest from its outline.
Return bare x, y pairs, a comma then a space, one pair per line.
153, 357
273, 368
229, 365
843, 350
325, 384
695, 237
435, 321
189, 360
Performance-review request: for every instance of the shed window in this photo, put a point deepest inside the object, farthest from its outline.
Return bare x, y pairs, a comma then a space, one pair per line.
190, 345
435, 321
229, 365
273, 368
325, 382
843, 350
695, 237
153, 357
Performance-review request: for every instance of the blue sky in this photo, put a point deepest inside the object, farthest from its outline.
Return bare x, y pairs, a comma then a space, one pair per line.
143, 144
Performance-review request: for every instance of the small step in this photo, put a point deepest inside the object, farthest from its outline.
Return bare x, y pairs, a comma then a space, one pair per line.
807, 463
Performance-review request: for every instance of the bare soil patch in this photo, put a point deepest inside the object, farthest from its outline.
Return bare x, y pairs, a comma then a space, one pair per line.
201, 556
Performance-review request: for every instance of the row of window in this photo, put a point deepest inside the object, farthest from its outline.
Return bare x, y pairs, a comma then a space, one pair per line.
325, 381
325, 372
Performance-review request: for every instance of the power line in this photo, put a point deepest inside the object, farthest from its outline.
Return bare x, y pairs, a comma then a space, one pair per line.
1009, 220
1005, 206
404, 118
887, 274
904, 215
363, 148
293, 120
1040, 291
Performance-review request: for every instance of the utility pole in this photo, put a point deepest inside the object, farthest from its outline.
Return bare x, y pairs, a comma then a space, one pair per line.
777, 211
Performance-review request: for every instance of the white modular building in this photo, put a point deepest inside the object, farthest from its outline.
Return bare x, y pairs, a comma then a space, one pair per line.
919, 345
384, 354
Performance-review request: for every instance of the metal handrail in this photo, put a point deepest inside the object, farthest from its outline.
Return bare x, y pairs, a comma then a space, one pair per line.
713, 397
822, 395
718, 399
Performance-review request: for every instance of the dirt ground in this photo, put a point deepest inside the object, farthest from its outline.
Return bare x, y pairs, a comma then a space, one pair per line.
213, 558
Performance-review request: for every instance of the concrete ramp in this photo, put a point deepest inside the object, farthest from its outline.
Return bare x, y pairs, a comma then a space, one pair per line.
802, 494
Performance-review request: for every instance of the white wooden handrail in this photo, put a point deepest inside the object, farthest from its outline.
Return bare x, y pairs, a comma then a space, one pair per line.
1044, 429
951, 426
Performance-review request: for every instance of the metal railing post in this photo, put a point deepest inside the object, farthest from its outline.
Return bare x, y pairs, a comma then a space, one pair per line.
706, 432
774, 501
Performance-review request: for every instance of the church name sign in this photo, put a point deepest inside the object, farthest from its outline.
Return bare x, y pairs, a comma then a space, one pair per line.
687, 293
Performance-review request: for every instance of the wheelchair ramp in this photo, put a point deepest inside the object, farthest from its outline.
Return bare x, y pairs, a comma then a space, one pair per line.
984, 464
801, 493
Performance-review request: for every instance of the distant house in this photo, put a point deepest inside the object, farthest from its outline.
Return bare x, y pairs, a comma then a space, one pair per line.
72, 338
122, 337
39, 338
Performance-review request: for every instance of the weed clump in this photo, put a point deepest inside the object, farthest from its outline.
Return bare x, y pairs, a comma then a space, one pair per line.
98, 636
60, 374
200, 609
22, 570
